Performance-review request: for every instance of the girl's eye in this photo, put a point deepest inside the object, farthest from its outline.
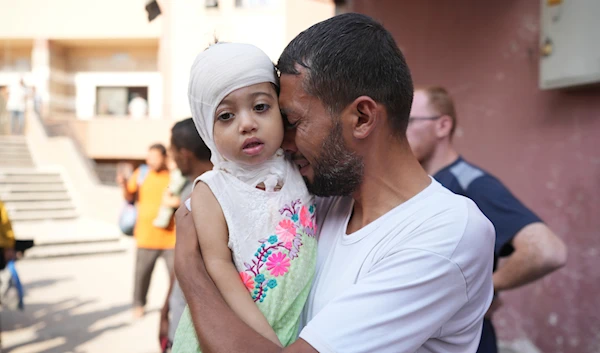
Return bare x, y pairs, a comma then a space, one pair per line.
225, 117
261, 107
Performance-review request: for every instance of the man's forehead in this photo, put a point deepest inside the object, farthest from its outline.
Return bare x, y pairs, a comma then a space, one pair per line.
292, 92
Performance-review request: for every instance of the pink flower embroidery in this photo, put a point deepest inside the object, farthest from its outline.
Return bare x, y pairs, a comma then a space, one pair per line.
278, 264
305, 218
288, 245
247, 280
286, 230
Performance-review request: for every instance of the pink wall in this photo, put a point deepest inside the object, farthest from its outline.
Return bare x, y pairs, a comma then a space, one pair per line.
545, 146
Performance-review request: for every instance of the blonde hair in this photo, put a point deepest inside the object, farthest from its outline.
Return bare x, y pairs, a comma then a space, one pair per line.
440, 100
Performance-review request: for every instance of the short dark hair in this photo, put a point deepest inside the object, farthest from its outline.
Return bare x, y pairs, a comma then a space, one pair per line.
348, 56
159, 147
185, 135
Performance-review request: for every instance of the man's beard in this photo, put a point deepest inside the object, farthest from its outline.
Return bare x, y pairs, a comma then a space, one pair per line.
338, 171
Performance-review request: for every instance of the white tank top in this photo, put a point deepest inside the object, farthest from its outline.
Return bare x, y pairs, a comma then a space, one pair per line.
253, 215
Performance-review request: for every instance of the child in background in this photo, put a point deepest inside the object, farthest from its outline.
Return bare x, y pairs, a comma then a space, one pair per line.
171, 197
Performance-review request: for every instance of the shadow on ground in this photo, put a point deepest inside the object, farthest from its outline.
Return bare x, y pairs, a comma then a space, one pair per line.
67, 322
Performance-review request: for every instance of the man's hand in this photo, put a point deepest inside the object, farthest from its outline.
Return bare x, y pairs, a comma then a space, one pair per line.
188, 259
121, 180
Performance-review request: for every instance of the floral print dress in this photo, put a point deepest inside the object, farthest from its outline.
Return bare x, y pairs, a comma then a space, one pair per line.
272, 236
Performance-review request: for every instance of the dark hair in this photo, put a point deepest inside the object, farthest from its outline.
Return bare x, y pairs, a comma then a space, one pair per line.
185, 135
348, 56
159, 147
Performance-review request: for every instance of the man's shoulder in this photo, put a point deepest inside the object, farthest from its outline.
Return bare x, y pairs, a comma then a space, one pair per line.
460, 176
445, 221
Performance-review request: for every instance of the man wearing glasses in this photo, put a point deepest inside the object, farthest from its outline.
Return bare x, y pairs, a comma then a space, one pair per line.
531, 249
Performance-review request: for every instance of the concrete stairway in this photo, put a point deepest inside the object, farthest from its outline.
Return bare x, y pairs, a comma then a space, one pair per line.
41, 208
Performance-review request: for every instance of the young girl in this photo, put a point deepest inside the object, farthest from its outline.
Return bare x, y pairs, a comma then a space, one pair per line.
254, 217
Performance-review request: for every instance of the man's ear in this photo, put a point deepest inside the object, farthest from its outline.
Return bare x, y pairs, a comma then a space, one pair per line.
365, 114
443, 126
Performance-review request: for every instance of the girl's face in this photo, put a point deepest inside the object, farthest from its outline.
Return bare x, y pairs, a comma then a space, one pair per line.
248, 126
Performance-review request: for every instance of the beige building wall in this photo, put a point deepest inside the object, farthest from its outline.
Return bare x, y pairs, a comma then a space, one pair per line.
189, 27
301, 14
133, 57
79, 45
61, 93
106, 138
69, 19
15, 56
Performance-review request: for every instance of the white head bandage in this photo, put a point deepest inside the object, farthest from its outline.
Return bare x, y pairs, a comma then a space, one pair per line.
216, 72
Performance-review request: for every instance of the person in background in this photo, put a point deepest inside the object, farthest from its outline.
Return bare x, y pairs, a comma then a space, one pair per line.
192, 157
177, 182
16, 105
147, 184
532, 250
7, 244
138, 107
4, 120
7, 237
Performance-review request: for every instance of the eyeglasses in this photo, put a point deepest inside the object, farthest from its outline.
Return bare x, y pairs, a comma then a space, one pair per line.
415, 118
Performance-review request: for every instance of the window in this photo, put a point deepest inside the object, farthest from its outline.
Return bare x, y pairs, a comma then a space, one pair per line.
117, 101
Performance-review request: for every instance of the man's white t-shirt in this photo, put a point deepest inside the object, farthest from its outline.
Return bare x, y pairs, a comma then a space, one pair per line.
418, 279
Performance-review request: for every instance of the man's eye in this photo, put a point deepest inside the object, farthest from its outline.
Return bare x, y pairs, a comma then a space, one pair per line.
225, 116
286, 123
261, 107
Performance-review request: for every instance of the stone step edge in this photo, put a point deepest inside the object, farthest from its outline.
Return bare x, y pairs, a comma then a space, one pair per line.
75, 250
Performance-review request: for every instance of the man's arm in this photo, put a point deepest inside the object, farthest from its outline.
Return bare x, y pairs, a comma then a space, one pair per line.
533, 249
226, 332
163, 327
537, 252
401, 309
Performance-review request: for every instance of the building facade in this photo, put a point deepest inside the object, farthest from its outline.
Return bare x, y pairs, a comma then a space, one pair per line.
88, 59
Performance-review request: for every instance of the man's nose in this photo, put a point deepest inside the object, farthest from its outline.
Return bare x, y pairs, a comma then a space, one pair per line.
289, 141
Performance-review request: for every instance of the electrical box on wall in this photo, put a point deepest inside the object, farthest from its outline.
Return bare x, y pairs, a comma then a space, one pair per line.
569, 43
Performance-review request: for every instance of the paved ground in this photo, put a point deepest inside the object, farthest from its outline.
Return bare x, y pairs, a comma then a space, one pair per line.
82, 305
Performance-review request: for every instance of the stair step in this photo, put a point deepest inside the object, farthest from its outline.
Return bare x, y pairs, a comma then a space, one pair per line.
13, 150
16, 164
17, 216
63, 250
39, 205
14, 156
35, 196
12, 141
67, 231
12, 188
30, 179
28, 171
